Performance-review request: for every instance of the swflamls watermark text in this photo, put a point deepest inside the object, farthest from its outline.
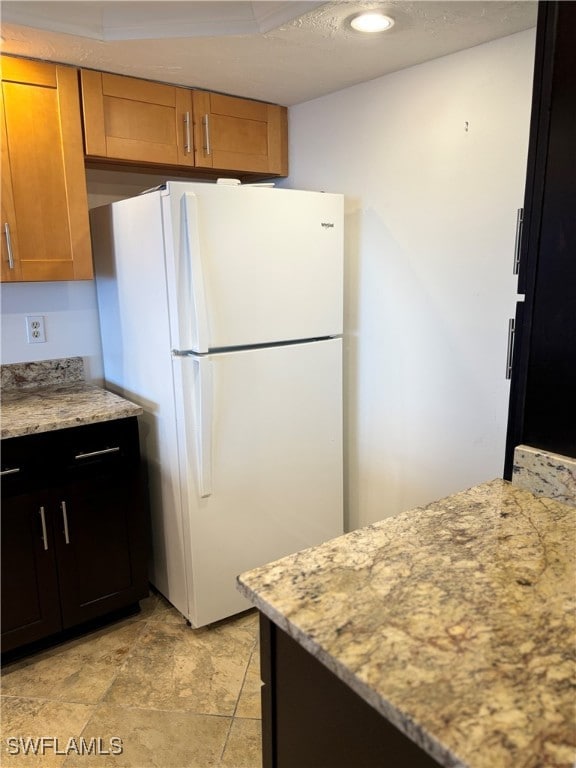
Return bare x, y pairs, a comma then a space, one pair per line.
44, 745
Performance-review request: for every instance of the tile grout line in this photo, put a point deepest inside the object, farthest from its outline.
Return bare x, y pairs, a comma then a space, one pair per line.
97, 704
121, 666
232, 719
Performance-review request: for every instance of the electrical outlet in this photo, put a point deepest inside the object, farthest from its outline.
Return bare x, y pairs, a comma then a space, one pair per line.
35, 329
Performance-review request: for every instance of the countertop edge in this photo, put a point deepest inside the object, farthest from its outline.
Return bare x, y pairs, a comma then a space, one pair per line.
30, 411
7, 434
405, 724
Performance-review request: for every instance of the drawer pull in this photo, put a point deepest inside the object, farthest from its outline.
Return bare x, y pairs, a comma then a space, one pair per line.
65, 519
13, 471
91, 454
44, 534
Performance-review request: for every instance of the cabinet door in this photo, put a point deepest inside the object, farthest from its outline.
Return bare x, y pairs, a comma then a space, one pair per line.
30, 603
136, 120
10, 251
100, 544
43, 168
239, 134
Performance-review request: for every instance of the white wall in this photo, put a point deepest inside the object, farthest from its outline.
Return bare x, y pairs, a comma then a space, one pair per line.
432, 163
70, 318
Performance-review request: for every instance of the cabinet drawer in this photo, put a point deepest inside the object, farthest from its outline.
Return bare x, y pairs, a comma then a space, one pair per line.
48, 458
26, 461
104, 444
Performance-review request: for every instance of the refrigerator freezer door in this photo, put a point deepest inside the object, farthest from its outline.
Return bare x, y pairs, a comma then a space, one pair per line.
254, 265
274, 459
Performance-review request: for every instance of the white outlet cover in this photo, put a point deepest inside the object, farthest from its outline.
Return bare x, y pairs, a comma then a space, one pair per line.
35, 330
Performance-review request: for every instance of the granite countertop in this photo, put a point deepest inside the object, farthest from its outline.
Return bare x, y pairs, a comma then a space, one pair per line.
63, 399
28, 411
455, 621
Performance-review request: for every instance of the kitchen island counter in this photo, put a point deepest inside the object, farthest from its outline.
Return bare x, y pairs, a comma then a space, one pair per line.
454, 621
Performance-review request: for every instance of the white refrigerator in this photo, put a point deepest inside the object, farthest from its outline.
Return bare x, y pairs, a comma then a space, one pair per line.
221, 315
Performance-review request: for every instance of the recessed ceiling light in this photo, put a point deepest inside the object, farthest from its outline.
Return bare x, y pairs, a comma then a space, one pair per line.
371, 22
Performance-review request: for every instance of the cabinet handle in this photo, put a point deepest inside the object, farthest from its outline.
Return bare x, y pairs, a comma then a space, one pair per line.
206, 125
65, 519
9, 246
9, 471
510, 350
518, 240
90, 454
44, 534
188, 138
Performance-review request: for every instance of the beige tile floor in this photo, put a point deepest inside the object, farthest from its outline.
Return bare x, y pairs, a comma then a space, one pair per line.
176, 697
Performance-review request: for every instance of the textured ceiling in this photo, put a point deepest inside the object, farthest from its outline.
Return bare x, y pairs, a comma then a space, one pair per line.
128, 20
286, 52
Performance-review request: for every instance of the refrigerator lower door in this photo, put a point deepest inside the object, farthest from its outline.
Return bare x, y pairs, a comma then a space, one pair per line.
261, 463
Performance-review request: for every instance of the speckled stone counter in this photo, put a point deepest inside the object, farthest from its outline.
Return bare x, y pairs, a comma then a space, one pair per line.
545, 474
41, 373
456, 621
63, 399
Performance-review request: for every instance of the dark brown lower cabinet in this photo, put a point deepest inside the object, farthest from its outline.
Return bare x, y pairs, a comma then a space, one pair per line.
30, 603
74, 547
311, 719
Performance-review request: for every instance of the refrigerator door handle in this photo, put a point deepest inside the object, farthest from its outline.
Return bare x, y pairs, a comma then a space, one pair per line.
204, 413
193, 272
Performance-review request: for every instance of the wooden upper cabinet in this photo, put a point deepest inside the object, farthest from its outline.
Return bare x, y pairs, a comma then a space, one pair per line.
11, 270
136, 120
45, 230
140, 121
237, 134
